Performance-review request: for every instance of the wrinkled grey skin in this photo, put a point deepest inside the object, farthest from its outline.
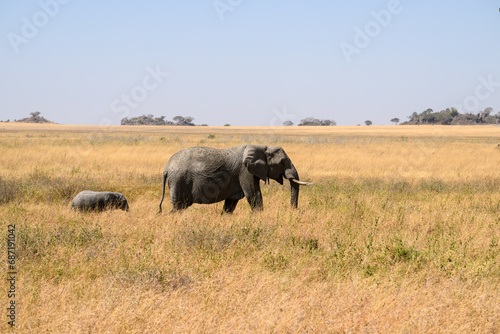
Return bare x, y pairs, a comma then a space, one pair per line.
98, 201
206, 175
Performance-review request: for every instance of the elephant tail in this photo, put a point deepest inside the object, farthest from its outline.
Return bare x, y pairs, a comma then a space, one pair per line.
163, 189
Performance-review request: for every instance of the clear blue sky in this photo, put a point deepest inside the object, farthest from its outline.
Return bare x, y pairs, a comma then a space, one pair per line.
247, 62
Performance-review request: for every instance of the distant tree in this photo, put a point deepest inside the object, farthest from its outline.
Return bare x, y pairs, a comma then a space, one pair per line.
287, 123
368, 122
488, 111
443, 117
184, 120
395, 120
146, 120
311, 121
35, 113
179, 119
227, 124
413, 116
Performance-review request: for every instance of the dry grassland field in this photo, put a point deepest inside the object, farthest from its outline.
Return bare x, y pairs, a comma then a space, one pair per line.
400, 233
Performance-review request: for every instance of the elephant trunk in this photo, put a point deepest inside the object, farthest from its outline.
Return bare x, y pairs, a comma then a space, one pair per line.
292, 175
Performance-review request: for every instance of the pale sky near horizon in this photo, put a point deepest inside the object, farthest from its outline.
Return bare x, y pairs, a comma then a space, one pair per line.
247, 63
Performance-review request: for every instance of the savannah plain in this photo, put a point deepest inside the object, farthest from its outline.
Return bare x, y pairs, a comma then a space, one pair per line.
400, 233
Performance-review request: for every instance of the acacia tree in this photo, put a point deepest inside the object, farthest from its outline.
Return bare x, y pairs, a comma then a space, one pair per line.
395, 120
179, 119
368, 122
183, 120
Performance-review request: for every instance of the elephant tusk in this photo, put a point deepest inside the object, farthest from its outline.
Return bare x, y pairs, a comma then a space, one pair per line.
302, 182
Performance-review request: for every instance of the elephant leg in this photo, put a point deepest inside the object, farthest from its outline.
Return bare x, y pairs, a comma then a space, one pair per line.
177, 207
180, 200
229, 205
254, 196
256, 204
180, 205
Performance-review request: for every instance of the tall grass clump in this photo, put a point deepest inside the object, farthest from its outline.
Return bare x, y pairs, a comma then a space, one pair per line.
8, 190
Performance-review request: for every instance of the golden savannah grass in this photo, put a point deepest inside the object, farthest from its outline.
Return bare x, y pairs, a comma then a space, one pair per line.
399, 233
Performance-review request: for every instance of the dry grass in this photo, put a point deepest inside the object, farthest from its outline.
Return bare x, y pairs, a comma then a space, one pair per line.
400, 233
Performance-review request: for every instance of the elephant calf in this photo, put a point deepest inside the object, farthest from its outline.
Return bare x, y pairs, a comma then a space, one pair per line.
98, 201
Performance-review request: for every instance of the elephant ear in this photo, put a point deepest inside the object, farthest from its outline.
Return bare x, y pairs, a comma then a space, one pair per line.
255, 160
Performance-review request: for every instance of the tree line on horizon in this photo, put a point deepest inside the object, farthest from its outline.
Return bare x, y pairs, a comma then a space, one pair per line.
448, 116
152, 120
451, 116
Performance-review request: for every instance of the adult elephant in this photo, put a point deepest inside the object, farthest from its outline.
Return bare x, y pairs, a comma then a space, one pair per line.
206, 175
